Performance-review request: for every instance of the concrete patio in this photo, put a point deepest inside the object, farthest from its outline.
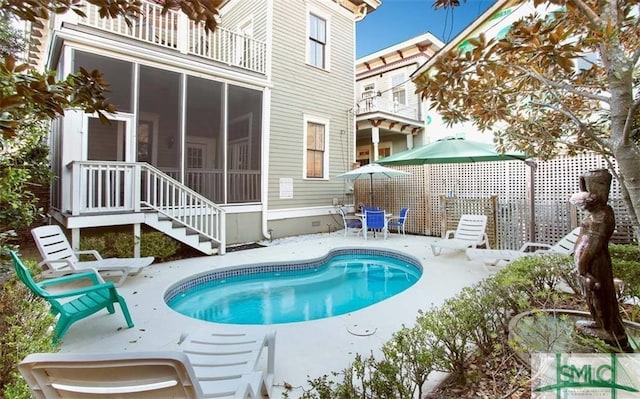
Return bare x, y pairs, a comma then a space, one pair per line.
304, 350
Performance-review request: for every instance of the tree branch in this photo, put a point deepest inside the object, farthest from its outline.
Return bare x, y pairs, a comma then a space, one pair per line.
583, 128
628, 123
563, 86
588, 12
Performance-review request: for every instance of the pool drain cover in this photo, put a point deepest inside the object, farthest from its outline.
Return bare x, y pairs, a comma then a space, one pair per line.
360, 330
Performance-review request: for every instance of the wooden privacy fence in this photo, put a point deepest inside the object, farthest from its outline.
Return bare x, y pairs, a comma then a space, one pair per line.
459, 185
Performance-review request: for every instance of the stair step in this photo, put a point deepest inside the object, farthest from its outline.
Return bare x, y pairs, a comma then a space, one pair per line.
182, 233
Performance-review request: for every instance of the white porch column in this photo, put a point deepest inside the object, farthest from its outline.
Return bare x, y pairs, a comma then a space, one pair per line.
375, 140
409, 141
75, 238
136, 240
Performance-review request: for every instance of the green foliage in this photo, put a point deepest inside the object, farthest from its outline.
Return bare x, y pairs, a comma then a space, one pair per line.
448, 331
11, 41
407, 362
534, 281
625, 261
476, 321
412, 359
120, 245
26, 326
21, 173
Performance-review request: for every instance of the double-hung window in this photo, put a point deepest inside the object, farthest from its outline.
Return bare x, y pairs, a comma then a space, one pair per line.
316, 151
317, 51
398, 89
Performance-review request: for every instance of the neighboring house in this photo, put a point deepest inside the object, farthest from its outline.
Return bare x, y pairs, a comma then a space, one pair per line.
390, 116
220, 138
495, 22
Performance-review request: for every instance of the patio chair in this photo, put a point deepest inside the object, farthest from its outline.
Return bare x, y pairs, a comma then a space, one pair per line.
397, 222
492, 256
60, 259
205, 366
81, 302
470, 233
376, 221
350, 221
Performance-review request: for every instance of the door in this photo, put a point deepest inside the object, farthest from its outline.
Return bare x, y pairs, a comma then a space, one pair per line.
107, 186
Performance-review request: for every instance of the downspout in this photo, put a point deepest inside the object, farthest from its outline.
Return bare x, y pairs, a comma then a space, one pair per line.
266, 103
266, 123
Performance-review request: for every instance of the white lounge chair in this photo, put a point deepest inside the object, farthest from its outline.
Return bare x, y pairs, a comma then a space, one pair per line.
492, 256
209, 352
222, 370
470, 233
60, 259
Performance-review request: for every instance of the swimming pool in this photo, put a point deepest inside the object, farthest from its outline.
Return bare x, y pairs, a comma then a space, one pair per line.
343, 281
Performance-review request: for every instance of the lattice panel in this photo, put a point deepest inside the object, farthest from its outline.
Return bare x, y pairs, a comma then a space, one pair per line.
555, 182
451, 209
507, 180
394, 194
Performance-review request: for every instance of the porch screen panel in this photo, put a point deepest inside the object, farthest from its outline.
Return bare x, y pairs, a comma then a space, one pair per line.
159, 120
105, 187
204, 154
244, 144
117, 73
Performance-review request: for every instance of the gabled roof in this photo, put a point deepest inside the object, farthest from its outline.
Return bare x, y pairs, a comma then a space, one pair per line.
425, 44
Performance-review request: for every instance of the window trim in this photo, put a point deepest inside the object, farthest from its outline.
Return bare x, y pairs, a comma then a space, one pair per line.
327, 46
325, 162
402, 77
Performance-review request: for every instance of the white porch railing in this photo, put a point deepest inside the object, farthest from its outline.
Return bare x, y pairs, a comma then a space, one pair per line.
244, 185
102, 187
175, 31
374, 104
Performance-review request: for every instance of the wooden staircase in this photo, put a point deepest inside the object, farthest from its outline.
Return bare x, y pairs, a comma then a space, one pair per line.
181, 232
109, 187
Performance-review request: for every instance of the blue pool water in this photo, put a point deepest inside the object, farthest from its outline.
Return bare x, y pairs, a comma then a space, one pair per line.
340, 283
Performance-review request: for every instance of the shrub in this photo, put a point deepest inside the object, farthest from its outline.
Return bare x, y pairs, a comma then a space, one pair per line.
448, 330
401, 373
120, 245
624, 259
26, 326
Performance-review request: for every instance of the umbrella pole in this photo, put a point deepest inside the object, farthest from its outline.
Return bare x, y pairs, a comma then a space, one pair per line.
370, 189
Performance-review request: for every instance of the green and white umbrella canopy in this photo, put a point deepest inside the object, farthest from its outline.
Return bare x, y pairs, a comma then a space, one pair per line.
372, 171
450, 150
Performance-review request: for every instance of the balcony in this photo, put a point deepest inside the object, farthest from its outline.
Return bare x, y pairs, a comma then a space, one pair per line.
175, 31
378, 104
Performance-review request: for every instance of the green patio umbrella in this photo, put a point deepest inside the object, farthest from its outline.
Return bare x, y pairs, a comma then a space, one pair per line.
459, 150
372, 171
450, 150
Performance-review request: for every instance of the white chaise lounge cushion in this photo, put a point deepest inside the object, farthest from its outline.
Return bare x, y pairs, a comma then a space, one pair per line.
492, 256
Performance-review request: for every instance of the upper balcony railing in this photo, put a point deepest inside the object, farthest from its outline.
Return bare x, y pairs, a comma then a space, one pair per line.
175, 31
378, 104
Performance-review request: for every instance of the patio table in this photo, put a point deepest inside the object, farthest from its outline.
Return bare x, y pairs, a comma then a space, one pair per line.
362, 217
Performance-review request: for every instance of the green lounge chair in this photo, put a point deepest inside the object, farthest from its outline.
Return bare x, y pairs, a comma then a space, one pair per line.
85, 300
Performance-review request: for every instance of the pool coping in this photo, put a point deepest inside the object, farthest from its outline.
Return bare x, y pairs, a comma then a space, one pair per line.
205, 277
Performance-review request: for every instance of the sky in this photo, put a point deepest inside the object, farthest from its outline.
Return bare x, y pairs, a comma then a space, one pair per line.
398, 20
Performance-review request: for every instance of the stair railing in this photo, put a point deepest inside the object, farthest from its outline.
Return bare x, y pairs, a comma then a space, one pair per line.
109, 186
